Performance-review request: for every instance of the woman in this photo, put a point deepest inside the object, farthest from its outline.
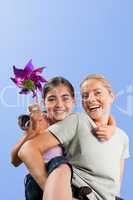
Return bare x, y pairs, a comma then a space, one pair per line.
38, 145
96, 165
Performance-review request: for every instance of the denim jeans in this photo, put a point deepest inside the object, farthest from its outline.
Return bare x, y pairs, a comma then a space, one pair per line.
32, 189
34, 192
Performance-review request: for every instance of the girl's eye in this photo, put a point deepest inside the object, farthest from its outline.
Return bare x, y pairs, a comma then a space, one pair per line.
51, 99
66, 98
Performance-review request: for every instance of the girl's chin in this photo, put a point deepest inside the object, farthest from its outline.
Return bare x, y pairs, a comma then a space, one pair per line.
59, 118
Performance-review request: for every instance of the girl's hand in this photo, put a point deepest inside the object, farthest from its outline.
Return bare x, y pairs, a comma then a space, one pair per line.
38, 120
105, 132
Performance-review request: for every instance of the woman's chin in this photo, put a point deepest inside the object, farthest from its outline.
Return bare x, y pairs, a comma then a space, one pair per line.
95, 116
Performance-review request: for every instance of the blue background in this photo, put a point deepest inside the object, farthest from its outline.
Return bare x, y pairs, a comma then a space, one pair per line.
71, 38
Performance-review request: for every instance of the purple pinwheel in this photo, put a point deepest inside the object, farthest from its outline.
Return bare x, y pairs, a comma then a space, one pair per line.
28, 79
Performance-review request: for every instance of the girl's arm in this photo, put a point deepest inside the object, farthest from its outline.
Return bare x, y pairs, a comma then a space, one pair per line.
111, 121
105, 132
14, 153
38, 123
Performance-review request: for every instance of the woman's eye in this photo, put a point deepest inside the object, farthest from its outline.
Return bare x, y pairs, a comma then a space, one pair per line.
84, 97
98, 93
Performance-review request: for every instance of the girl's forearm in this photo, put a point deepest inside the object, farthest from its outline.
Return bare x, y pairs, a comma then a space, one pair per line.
15, 160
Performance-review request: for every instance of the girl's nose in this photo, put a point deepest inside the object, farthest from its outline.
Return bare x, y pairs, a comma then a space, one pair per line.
59, 103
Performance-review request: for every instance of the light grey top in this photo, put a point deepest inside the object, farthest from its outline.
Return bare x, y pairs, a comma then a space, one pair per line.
95, 163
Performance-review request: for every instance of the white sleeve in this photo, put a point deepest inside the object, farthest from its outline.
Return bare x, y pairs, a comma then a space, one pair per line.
65, 130
125, 152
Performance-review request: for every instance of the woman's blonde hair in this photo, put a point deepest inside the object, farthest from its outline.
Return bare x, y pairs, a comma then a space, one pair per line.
100, 78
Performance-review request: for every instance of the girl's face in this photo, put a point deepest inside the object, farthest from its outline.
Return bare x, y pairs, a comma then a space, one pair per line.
96, 100
59, 103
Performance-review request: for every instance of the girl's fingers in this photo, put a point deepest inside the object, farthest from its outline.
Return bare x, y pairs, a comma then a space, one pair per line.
36, 115
34, 107
101, 132
101, 138
102, 128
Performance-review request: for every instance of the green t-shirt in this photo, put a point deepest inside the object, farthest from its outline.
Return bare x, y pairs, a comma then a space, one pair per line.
95, 164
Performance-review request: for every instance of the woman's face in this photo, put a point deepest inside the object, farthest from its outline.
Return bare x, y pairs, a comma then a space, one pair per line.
59, 103
96, 100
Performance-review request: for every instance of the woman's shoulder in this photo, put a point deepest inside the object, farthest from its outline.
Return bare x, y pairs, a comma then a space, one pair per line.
84, 117
121, 133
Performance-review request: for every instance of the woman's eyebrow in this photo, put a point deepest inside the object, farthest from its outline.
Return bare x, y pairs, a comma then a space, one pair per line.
97, 89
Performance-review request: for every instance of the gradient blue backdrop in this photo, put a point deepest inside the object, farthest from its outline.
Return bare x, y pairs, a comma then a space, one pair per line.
72, 38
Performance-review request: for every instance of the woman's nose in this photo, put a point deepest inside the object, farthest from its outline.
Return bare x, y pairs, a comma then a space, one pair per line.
91, 97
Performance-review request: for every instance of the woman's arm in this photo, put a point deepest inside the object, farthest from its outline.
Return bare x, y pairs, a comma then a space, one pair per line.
122, 164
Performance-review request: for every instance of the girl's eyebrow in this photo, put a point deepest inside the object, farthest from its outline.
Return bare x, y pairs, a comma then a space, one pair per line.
53, 96
66, 95
63, 95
